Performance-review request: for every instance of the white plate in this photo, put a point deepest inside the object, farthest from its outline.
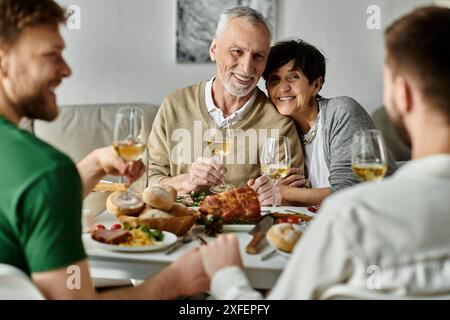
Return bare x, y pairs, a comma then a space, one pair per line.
169, 238
284, 254
231, 227
280, 252
238, 227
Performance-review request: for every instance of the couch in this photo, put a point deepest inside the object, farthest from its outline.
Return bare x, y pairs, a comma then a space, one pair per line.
79, 129
399, 150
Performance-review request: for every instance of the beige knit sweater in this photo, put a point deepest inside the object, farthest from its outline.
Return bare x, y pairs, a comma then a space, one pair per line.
180, 135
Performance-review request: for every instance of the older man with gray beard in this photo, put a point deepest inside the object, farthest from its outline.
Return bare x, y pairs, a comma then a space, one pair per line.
178, 143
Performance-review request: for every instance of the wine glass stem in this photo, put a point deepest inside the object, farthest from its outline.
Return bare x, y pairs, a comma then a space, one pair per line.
274, 198
126, 195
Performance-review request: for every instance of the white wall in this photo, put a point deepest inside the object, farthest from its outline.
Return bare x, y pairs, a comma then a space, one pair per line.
125, 50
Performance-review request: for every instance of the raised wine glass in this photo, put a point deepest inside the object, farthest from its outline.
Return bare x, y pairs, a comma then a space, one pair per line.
221, 144
130, 137
369, 155
275, 161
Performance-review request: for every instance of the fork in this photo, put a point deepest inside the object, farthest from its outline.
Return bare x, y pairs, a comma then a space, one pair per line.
269, 255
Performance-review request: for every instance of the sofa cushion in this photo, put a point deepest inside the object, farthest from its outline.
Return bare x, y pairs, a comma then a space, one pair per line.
79, 129
399, 150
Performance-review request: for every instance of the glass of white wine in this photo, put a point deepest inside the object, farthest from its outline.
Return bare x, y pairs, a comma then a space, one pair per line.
369, 160
275, 161
221, 144
130, 138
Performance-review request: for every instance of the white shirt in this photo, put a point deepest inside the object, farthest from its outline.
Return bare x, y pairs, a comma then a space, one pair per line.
217, 113
398, 227
318, 172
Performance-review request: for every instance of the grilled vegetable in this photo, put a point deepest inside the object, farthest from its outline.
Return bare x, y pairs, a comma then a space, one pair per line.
213, 225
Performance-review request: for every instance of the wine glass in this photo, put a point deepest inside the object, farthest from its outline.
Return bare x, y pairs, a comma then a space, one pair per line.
275, 161
221, 144
129, 142
369, 155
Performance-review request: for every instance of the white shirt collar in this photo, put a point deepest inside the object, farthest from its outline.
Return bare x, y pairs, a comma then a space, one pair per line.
217, 114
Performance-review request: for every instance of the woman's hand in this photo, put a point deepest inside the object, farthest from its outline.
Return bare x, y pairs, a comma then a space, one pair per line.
293, 179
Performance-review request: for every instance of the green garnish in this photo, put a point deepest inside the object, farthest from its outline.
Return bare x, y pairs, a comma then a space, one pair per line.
196, 198
155, 235
126, 226
213, 225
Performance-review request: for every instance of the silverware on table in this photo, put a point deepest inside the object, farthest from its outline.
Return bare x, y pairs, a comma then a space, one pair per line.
269, 255
187, 238
258, 234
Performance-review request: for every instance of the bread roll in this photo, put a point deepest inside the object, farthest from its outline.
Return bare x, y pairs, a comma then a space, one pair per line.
151, 213
113, 206
132, 221
171, 190
159, 198
284, 236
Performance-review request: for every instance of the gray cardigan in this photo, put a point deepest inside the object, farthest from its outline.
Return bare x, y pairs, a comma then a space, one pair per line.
341, 117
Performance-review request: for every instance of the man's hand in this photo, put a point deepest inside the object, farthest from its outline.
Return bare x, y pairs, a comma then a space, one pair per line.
109, 161
264, 188
204, 172
223, 252
191, 278
103, 161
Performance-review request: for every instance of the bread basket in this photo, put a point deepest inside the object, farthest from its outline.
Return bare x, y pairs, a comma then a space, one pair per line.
177, 225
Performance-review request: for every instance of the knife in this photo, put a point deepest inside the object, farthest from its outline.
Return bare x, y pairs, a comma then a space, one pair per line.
258, 233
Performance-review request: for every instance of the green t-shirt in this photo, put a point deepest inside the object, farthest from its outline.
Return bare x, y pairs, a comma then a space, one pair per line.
40, 204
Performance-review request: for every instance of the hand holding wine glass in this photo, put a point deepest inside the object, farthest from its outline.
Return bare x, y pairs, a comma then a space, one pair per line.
130, 142
221, 144
369, 155
275, 161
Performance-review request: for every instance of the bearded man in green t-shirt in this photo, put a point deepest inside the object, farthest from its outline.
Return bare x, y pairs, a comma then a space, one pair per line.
41, 190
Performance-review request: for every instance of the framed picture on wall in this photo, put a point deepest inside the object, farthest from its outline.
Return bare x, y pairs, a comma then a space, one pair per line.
197, 22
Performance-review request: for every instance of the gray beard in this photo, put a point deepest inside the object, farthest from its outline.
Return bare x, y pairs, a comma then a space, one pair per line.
237, 92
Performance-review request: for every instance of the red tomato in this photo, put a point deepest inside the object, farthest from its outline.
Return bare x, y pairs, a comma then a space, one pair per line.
281, 220
99, 227
292, 219
116, 226
313, 209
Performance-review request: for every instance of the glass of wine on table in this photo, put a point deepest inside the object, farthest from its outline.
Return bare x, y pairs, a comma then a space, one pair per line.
221, 144
369, 160
130, 137
275, 161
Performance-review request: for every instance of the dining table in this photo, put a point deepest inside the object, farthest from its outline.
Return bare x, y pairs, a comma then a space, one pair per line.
115, 265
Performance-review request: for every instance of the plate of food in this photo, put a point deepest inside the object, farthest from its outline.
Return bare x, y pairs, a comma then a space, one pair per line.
131, 239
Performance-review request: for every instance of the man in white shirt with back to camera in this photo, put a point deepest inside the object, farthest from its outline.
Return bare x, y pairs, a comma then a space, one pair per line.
398, 227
